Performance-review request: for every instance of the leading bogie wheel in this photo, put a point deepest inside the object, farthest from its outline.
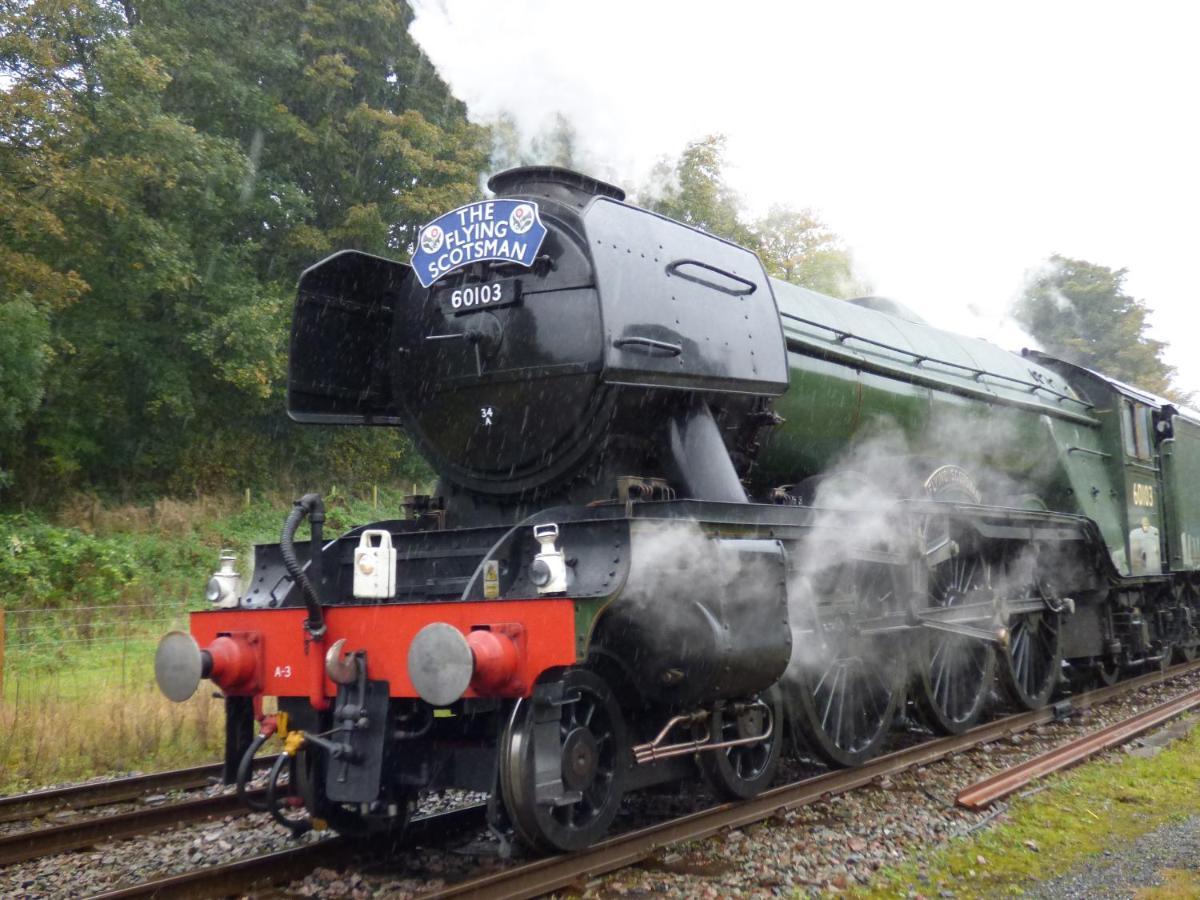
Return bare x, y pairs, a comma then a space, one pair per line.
742, 771
583, 742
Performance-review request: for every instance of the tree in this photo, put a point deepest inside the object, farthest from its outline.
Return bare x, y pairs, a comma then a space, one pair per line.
47, 70
1079, 311
796, 246
333, 102
506, 151
693, 190
169, 167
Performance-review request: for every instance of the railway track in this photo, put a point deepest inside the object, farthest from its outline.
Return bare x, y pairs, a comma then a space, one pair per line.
530, 879
36, 843
19, 807
258, 872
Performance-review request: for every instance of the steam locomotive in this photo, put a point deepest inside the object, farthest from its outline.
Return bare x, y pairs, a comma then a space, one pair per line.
686, 515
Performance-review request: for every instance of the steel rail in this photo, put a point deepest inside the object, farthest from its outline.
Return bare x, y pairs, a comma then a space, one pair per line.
26, 845
985, 792
545, 875
244, 875
118, 790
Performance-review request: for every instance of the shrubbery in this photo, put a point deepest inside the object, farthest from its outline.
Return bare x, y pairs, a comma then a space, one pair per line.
45, 565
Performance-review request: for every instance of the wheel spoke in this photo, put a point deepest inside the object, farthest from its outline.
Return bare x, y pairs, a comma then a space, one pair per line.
873, 697
1032, 662
840, 715
953, 705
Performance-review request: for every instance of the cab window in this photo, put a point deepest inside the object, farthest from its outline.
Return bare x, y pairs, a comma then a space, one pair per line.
1135, 427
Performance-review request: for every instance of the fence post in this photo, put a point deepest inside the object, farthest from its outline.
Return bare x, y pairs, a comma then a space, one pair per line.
1, 653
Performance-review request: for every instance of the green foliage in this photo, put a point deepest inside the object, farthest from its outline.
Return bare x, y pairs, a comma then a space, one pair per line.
100, 715
1077, 817
168, 168
46, 566
693, 190
140, 561
1079, 311
24, 354
794, 245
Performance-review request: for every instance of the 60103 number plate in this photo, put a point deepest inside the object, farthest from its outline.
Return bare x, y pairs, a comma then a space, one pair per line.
473, 297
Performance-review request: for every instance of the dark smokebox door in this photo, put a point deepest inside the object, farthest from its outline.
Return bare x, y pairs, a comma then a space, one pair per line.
339, 361
501, 394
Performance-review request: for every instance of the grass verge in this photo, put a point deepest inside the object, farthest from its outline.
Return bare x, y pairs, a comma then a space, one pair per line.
88, 594
101, 715
1099, 805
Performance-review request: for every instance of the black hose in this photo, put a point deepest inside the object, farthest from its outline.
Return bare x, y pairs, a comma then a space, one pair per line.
297, 826
243, 774
312, 507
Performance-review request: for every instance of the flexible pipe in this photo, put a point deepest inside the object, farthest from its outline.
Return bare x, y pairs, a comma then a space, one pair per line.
297, 826
243, 773
312, 507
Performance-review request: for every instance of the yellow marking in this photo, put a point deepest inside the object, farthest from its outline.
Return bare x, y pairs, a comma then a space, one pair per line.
281, 724
293, 742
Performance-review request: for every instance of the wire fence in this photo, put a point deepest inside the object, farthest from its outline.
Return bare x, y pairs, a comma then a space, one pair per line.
78, 694
61, 650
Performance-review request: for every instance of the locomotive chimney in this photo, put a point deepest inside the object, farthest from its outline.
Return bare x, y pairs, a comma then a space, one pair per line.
553, 183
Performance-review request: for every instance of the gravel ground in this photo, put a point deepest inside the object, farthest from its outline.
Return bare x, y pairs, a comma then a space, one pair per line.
825, 847
173, 851
67, 816
107, 866
1125, 869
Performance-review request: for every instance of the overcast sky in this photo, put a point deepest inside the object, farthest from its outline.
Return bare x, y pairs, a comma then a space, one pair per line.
952, 145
